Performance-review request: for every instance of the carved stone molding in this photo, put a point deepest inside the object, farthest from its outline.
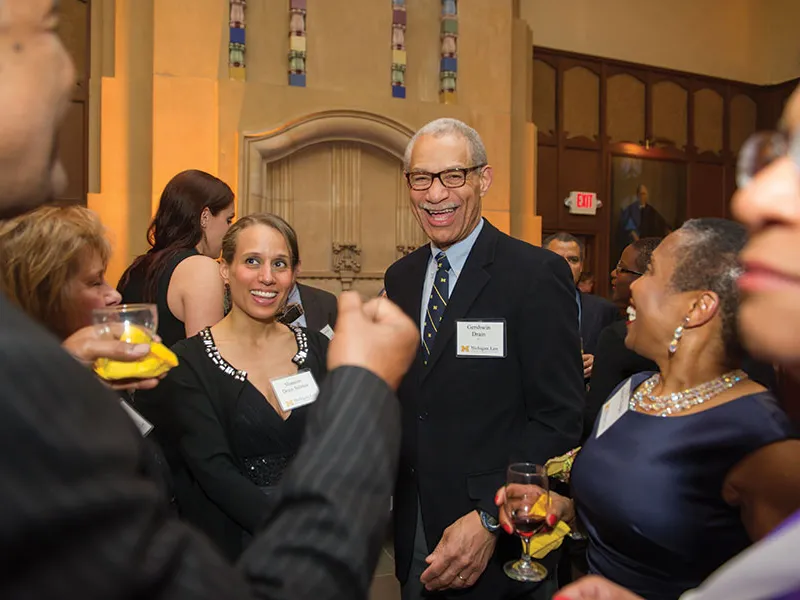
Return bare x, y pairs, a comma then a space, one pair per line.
346, 258
259, 148
269, 181
405, 250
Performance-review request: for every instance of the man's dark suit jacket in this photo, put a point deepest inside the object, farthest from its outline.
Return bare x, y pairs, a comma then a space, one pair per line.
596, 314
80, 512
320, 307
464, 420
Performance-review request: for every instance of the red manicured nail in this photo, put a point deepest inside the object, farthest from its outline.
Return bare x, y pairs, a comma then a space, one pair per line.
507, 528
497, 498
551, 520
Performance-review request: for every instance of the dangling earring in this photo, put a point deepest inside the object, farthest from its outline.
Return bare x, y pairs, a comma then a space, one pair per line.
676, 337
226, 299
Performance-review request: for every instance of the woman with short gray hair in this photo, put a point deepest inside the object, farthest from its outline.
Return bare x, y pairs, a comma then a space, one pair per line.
681, 471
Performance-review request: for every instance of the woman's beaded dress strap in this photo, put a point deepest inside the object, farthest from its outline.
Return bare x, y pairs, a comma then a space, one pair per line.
211, 350
302, 345
216, 358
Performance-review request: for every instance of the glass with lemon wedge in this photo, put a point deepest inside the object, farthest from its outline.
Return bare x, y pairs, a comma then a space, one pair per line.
135, 324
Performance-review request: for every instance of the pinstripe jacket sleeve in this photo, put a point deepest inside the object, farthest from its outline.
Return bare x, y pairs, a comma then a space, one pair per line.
79, 515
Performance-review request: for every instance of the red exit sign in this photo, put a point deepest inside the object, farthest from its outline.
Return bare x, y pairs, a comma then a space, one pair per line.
582, 203
585, 200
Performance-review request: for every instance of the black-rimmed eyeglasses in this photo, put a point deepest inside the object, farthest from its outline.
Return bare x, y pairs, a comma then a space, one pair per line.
763, 148
450, 178
620, 269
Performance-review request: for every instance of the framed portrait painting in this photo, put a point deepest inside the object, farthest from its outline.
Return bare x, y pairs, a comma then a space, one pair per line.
648, 199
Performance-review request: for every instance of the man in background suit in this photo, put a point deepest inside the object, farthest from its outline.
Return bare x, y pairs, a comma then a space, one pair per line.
474, 292
310, 307
594, 312
318, 308
80, 515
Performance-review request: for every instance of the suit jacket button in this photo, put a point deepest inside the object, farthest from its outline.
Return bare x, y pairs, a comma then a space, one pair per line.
423, 416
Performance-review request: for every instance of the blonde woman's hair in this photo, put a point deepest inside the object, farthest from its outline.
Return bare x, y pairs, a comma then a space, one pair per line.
41, 251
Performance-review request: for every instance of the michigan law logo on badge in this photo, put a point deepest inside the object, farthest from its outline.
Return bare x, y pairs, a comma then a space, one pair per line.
481, 339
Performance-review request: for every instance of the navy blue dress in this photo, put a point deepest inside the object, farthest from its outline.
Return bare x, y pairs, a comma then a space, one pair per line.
649, 492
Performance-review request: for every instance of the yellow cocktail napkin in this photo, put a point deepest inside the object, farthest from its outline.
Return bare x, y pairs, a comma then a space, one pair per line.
160, 359
543, 544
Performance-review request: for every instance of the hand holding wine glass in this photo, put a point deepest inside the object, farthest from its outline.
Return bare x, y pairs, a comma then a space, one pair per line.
88, 345
134, 324
561, 509
527, 500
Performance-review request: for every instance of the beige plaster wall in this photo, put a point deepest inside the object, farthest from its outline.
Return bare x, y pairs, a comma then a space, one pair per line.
169, 105
779, 39
745, 40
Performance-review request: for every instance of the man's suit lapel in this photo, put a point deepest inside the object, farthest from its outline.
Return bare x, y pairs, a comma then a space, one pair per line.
409, 297
311, 309
471, 282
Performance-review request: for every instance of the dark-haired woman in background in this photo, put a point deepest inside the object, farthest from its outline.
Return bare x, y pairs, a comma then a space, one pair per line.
180, 273
683, 468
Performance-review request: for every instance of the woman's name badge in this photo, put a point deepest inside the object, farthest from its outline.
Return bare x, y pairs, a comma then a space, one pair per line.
294, 391
614, 408
481, 339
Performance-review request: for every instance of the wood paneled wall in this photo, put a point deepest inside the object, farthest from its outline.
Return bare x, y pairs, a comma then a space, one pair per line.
589, 109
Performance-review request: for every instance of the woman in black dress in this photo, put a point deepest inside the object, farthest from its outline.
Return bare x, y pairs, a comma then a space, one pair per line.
179, 274
227, 435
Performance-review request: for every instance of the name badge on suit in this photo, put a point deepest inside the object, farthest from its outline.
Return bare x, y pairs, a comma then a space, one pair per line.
478, 338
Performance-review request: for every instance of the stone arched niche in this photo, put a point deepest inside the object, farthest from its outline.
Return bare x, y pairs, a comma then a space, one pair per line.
337, 177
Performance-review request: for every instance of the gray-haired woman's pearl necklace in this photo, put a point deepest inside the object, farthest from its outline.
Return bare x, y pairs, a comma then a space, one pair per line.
672, 404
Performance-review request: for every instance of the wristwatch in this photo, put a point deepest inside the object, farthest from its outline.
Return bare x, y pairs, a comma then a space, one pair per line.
488, 521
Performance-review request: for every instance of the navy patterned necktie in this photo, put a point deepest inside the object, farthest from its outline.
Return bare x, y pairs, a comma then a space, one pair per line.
437, 303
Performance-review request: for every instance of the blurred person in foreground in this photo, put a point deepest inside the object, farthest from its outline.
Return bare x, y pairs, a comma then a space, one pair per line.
78, 512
